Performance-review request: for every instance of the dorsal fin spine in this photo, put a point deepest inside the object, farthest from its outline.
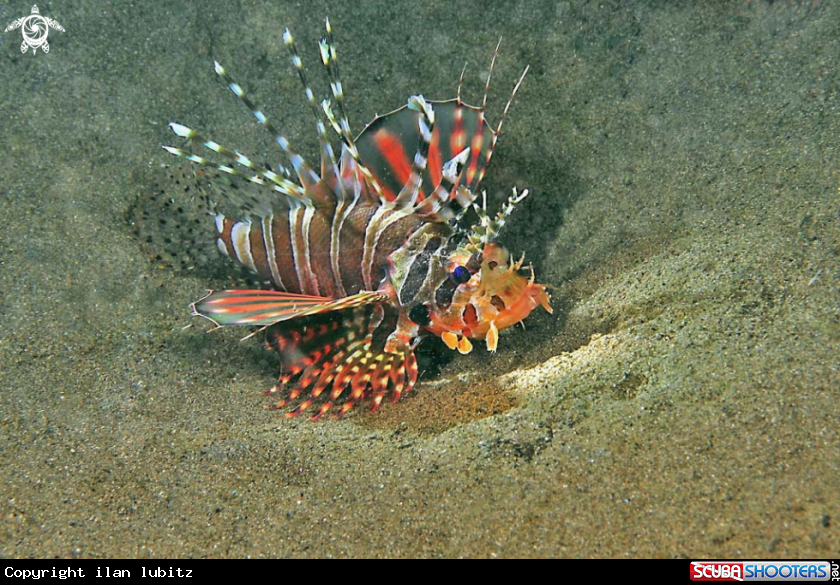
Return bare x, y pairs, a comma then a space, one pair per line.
426, 122
329, 168
329, 58
306, 175
287, 187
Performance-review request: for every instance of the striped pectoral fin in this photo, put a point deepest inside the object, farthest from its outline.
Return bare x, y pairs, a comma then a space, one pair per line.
266, 307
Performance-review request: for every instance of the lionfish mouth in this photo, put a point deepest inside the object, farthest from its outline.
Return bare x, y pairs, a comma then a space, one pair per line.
358, 256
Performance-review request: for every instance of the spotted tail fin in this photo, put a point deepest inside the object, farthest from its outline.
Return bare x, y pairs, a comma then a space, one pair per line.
170, 218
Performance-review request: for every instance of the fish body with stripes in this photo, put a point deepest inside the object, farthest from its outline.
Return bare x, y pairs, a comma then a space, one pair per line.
368, 255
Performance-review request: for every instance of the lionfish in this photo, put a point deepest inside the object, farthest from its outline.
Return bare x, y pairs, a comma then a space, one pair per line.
367, 256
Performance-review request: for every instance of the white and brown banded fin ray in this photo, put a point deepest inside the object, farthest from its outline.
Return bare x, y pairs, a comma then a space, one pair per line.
410, 193
266, 307
329, 58
438, 207
235, 195
259, 175
341, 124
488, 227
329, 166
305, 174
260, 197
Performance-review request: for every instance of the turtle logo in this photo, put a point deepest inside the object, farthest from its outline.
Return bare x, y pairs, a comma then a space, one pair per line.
35, 29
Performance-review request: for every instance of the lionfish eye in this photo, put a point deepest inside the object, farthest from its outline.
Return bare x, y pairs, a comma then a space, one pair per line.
419, 314
460, 275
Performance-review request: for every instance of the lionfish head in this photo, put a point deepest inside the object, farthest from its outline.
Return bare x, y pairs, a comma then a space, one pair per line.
486, 291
